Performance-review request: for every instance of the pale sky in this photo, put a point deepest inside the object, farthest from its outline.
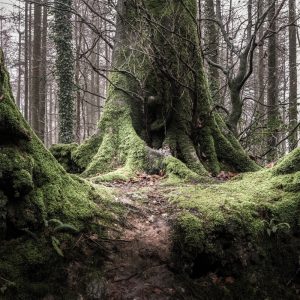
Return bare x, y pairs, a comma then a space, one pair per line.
7, 4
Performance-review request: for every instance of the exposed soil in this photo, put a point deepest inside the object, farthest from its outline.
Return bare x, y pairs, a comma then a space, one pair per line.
139, 265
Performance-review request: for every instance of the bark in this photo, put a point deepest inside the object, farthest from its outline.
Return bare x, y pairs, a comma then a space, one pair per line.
272, 111
43, 81
237, 79
78, 40
212, 47
261, 65
30, 62
293, 112
65, 69
159, 103
19, 64
26, 71
36, 66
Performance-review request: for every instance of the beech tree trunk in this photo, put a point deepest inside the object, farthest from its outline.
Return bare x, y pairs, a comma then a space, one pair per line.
293, 111
36, 66
159, 103
43, 80
212, 45
62, 31
272, 110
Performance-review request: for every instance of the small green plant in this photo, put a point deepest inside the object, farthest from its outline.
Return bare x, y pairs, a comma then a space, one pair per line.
59, 227
273, 226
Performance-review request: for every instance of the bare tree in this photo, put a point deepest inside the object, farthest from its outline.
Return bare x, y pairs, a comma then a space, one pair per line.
36, 66
293, 112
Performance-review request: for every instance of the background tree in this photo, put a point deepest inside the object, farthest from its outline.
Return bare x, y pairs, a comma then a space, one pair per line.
293, 95
65, 69
36, 68
273, 110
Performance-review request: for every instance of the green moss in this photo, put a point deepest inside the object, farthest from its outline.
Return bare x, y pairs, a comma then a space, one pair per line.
229, 150
177, 171
121, 174
64, 155
84, 153
289, 163
35, 188
120, 146
238, 228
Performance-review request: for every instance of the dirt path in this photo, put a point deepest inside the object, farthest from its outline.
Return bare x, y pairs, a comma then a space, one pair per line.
139, 266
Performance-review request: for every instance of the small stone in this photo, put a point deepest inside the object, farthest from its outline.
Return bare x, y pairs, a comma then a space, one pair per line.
151, 219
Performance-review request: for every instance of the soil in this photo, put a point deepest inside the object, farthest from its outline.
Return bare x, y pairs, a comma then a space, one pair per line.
139, 265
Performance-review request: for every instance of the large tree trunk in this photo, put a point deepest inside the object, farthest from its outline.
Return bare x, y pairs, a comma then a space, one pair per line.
159, 102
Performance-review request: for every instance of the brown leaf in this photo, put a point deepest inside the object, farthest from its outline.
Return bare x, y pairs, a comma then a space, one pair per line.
229, 280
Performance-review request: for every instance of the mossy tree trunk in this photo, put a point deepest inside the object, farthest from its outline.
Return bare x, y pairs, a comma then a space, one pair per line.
159, 103
62, 30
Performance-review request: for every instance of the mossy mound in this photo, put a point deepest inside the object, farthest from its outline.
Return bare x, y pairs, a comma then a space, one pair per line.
240, 239
42, 209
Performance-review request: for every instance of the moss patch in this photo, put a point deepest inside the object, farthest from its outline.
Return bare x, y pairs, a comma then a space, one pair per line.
64, 155
245, 228
35, 189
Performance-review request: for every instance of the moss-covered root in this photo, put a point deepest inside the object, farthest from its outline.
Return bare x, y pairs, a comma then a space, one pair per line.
288, 164
229, 149
64, 155
120, 145
240, 240
35, 189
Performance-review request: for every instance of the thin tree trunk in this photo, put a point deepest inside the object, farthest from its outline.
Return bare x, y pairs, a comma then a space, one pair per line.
26, 73
261, 65
43, 82
19, 61
272, 112
18, 98
78, 40
36, 67
30, 63
293, 112
65, 69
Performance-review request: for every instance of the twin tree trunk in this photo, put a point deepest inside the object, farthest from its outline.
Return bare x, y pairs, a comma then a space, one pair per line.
159, 103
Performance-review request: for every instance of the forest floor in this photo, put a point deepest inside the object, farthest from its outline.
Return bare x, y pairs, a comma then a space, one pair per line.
139, 265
